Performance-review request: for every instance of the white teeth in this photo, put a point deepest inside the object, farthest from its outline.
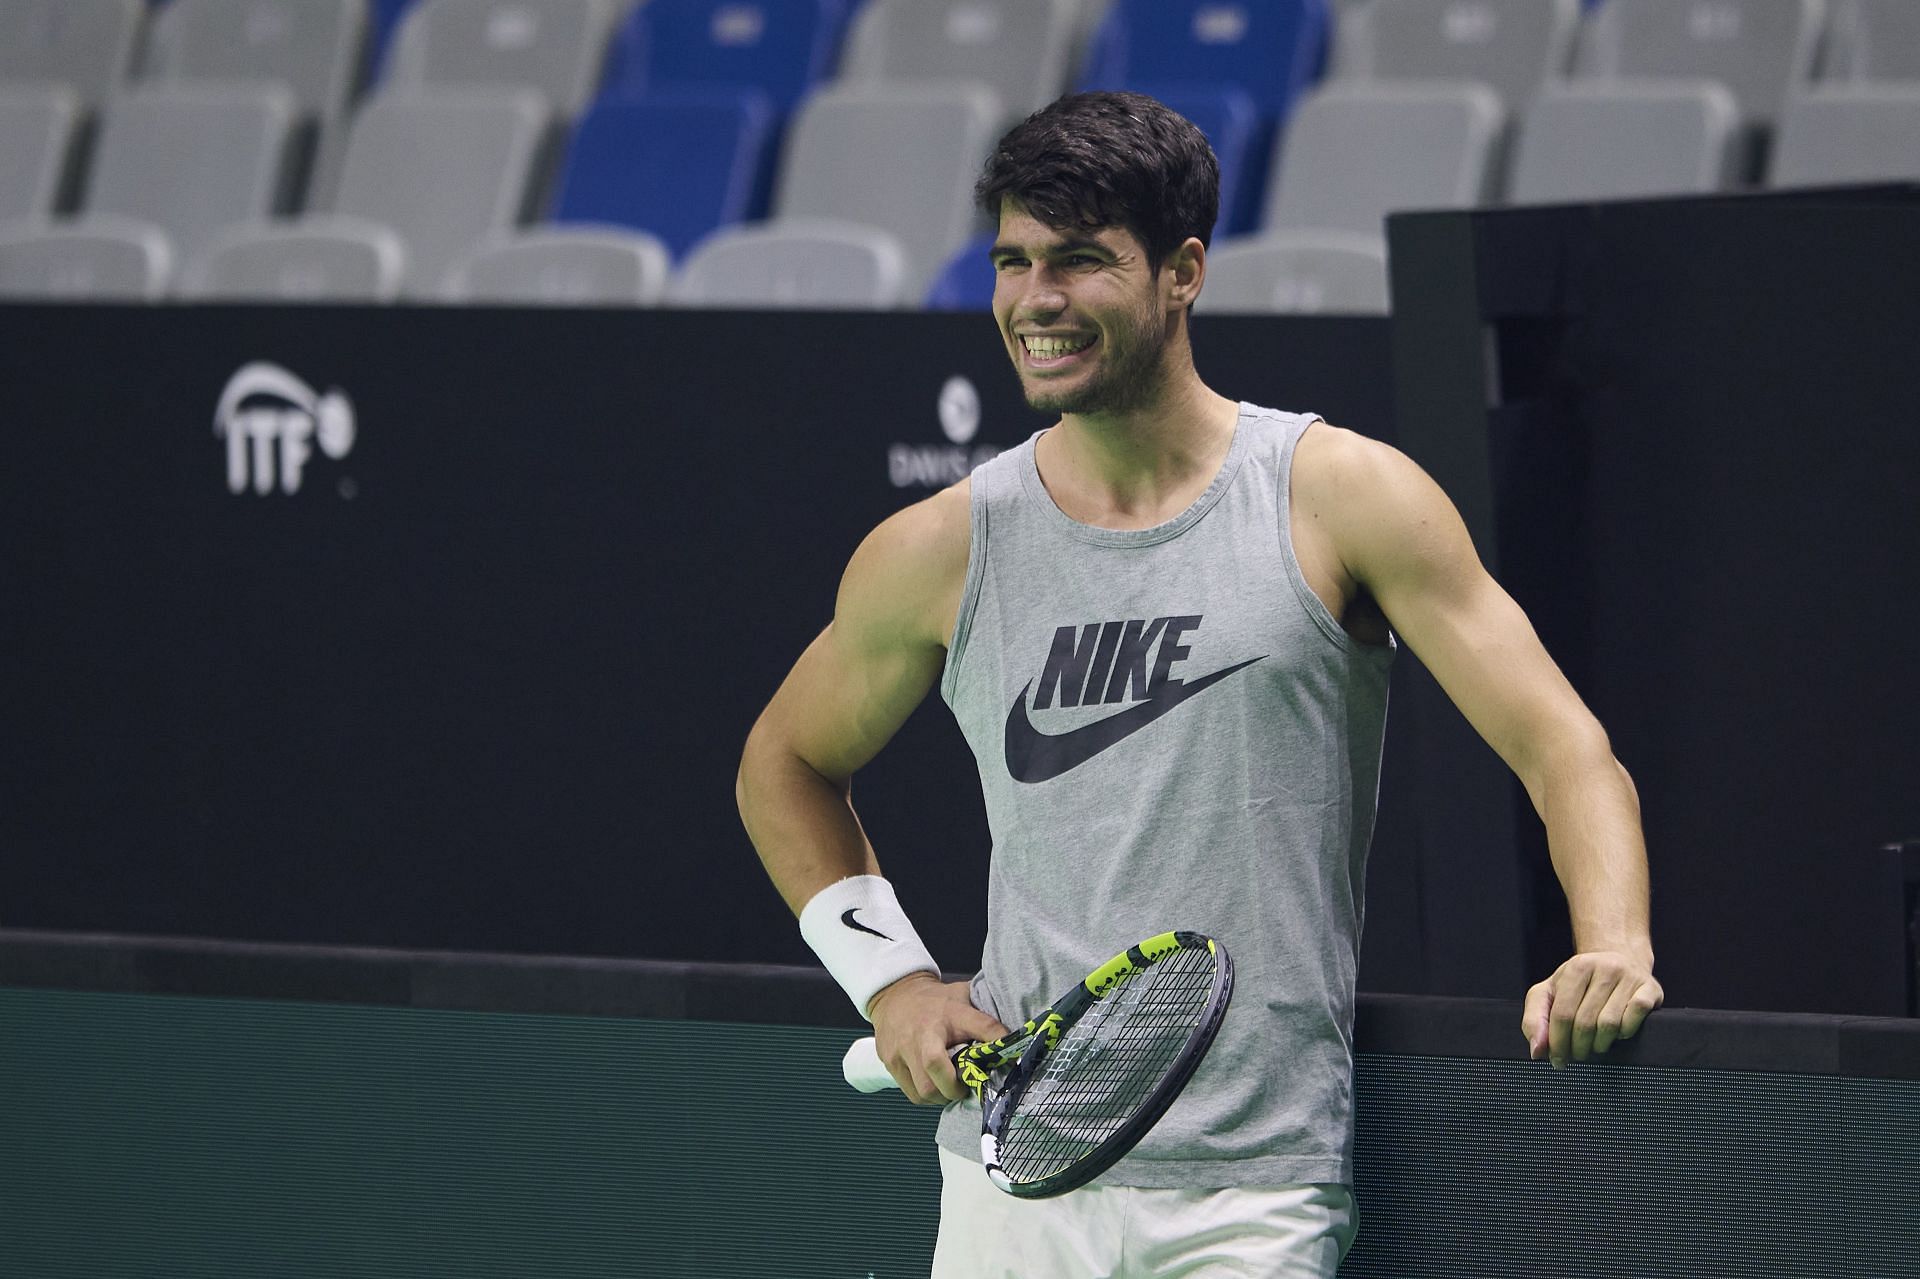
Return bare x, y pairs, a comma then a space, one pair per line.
1048, 348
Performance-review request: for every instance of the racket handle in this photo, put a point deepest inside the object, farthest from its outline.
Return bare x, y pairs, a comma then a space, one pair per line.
863, 1069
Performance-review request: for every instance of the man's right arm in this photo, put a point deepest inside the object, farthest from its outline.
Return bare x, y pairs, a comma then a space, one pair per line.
852, 688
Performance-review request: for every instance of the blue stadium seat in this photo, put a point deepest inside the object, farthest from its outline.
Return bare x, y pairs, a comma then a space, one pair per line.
1271, 49
677, 164
966, 282
781, 47
385, 18
1233, 128
1197, 56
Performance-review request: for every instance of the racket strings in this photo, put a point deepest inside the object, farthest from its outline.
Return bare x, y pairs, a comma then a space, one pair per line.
1107, 1065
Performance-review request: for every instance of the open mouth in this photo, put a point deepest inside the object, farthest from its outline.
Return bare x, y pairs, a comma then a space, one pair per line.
1048, 350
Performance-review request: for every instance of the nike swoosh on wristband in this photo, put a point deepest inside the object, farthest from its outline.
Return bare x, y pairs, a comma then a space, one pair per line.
846, 917
1034, 756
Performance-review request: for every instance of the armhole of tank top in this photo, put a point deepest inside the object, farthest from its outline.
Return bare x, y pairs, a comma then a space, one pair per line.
970, 593
1283, 501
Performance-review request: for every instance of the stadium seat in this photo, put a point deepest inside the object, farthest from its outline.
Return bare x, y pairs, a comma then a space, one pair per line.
1759, 49
1186, 52
107, 260
322, 259
1021, 49
783, 48
1271, 49
385, 17
557, 48
1849, 133
38, 125
1513, 46
1355, 152
572, 266
896, 158
444, 170
1232, 127
191, 158
1298, 273
87, 45
1600, 141
676, 164
965, 283
1872, 40
314, 49
816, 264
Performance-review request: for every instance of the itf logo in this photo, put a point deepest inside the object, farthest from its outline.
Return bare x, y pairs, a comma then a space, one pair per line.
270, 419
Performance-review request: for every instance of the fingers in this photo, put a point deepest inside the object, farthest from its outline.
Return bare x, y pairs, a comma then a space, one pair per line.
1589, 1003
918, 1025
1533, 1018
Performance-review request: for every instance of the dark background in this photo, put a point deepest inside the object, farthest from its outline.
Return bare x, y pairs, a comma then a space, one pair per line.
482, 683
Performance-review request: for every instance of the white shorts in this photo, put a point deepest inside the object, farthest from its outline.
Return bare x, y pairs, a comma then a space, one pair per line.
1120, 1232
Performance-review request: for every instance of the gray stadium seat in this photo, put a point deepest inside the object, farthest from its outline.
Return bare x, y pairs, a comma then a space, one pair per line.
1870, 40
894, 157
37, 129
1759, 49
564, 266
106, 260
314, 48
557, 48
322, 259
802, 264
1849, 133
1602, 141
191, 159
1297, 273
1020, 49
444, 170
87, 45
1513, 46
1354, 153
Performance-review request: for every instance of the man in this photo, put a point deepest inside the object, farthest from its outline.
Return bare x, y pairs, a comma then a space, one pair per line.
1246, 572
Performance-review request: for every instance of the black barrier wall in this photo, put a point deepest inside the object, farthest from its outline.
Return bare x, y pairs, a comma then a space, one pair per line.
1684, 433
444, 627
215, 1108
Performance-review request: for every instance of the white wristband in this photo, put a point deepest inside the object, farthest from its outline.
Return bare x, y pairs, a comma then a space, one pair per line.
863, 937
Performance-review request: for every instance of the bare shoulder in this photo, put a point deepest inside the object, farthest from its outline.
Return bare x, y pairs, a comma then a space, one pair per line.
1376, 507
906, 578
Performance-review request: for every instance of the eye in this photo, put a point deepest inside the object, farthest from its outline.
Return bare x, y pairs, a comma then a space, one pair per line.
1008, 262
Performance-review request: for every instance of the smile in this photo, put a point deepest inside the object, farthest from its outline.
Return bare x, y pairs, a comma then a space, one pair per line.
1041, 347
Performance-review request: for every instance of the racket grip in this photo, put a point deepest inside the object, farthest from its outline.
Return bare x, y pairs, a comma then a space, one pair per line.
863, 1069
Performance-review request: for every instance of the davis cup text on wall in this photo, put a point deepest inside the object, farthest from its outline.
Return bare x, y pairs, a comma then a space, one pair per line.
934, 465
271, 420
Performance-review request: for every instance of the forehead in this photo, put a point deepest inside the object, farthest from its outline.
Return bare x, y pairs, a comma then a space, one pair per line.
1019, 229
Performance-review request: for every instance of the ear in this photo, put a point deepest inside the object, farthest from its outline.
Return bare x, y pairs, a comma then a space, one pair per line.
1185, 270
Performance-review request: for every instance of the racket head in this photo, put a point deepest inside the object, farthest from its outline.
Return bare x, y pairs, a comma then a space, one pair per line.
1072, 1091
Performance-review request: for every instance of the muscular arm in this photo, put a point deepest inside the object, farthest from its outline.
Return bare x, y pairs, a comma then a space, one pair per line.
1400, 539
848, 694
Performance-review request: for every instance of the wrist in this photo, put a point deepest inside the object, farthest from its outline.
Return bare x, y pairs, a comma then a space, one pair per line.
864, 938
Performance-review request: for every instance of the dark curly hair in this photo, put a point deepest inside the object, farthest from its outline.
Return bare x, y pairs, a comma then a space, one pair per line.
1092, 160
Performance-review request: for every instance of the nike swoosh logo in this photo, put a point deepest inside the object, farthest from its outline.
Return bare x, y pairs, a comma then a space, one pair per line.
1034, 756
846, 917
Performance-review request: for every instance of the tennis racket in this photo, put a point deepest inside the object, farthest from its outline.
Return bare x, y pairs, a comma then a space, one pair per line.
1070, 1092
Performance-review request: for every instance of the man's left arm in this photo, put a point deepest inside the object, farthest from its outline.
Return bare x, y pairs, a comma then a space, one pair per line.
1401, 540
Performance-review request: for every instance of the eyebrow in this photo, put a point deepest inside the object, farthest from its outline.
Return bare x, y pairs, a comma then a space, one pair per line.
1073, 244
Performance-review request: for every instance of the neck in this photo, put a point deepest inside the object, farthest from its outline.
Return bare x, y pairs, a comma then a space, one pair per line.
1147, 461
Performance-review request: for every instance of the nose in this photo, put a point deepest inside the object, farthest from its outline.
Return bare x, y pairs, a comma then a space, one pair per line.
1041, 294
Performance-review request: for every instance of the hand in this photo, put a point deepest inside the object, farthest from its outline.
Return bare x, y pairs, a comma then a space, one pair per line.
916, 1023
1591, 1000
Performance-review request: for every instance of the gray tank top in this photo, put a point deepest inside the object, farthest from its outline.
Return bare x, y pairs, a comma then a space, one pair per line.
1239, 805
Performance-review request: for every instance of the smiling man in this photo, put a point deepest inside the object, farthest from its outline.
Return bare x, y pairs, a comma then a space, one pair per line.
1164, 625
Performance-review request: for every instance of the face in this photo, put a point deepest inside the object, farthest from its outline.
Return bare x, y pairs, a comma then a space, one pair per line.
1081, 314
